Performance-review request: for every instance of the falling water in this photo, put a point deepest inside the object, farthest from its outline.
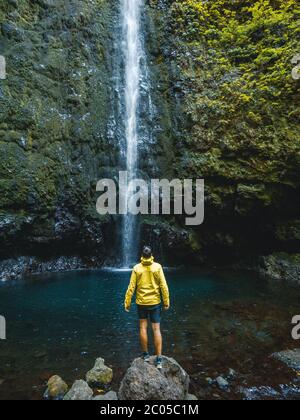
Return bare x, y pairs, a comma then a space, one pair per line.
132, 123
133, 52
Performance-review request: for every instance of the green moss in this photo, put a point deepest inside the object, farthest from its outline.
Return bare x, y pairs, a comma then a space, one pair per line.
243, 97
54, 108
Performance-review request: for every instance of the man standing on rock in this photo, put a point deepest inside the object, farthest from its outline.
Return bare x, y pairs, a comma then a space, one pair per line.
149, 282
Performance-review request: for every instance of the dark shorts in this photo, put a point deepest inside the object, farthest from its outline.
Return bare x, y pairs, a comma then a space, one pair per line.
153, 312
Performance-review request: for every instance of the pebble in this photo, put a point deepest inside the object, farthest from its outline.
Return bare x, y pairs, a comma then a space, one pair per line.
232, 374
222, 383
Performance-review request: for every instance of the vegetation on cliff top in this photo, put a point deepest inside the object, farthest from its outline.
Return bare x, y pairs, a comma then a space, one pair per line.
243, 107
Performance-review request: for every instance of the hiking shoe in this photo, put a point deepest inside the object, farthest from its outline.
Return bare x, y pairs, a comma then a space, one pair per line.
159, 363
146, 357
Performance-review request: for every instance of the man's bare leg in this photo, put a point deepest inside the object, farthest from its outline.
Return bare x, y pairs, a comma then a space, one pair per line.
144, 335
157, 339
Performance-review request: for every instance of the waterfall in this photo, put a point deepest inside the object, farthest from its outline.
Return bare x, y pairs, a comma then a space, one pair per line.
132, 53
132, 123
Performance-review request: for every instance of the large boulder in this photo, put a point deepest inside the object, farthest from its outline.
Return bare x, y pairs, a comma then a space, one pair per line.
80, 391
56, 388
143, 381
100, 376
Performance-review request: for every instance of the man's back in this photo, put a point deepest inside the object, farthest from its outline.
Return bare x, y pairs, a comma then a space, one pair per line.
149, 281
149, 277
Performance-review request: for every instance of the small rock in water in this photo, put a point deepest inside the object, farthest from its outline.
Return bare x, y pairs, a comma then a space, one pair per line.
100, 375
80, 391
110, 396
210, 381
56, 388
232, 374
222, 383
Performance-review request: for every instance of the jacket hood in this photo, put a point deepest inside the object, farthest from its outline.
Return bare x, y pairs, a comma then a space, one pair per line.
147, 261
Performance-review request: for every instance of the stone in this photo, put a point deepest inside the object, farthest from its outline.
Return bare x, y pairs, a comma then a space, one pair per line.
143, 381
209, 381
100, 375
56, 388
222, 383
232, 374
109, 396
291, 358
191, 397
80, 391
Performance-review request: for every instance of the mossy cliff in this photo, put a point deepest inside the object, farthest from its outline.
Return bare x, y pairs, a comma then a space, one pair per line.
53, 123
226, 110
236, 121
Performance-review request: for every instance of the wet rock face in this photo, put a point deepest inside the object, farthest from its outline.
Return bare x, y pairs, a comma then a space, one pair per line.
281, 267
57, 138
221, 131
143, 381
16, 269
53, 123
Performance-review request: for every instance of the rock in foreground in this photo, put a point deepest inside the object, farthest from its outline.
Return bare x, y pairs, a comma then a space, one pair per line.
110, 396
143, 381
100, 375
56, 388
80, 391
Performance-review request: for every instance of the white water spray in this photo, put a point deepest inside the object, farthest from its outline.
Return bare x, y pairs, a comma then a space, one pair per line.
133, 53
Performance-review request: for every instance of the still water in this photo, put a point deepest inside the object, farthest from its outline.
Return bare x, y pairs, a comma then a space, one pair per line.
60, 323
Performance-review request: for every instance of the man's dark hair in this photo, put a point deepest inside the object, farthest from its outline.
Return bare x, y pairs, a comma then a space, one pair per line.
147, 252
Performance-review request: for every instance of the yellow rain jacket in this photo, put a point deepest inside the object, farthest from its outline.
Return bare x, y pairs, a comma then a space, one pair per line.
148, 280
